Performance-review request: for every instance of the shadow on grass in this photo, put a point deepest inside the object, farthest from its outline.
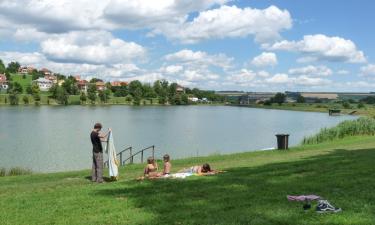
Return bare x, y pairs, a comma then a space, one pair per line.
257, 195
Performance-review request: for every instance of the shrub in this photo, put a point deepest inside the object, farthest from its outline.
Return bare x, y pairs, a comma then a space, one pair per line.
25, 100
358, 127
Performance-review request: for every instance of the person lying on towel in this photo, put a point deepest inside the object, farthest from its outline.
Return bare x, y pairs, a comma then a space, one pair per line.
205, 169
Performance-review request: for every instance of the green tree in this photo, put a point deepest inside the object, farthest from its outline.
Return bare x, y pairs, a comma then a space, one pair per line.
91, 93
13, 98
103, 96
25, 100
15, 87
53, 91
301, 99
62, 96
36, 74
279, 98
128, 98
346, 105
36, 97
136, 89
2, 67
83, 98
13, 67
360, 105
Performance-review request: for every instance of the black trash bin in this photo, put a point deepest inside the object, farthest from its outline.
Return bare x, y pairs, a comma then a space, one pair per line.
282, 141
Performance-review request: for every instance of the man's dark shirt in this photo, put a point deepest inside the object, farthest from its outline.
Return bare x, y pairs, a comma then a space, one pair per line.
96, 142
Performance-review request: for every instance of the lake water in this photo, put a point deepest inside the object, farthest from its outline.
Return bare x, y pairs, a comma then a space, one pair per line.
48, 139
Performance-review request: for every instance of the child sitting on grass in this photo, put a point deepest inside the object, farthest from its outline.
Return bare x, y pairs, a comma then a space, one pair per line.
151, 168
167, 166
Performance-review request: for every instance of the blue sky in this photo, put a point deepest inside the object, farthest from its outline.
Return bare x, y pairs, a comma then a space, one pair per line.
257, 45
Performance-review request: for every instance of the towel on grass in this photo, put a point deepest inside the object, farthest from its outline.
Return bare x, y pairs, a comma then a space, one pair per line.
302, 198
112, 159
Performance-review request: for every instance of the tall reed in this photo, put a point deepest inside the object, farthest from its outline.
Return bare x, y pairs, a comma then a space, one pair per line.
15, 171
358, 127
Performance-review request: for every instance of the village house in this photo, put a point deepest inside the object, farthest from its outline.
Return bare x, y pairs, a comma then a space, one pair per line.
3, 82
118, 83
52, 78
100, 86
83, 85
43, 83
180, 89
26, 70
46, 72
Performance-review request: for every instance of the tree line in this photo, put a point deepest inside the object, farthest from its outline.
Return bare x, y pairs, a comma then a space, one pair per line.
135, 92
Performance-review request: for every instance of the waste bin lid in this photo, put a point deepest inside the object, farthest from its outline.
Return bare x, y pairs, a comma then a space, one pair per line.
282, 134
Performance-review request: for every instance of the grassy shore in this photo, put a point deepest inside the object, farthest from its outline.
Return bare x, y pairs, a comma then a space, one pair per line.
253, 191
368, 110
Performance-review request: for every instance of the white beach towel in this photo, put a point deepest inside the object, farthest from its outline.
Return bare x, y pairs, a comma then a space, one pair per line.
112, 159
181, 175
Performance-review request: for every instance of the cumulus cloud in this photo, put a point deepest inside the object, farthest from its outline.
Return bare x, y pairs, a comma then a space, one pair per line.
368, 70
231, 21
311, 71
152, 14
200, 59
302, 80
93, 47
343, 72
55, 16
324, 48
280, 78
265, 59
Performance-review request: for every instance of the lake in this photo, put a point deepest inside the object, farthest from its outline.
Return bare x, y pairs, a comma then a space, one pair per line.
50, 139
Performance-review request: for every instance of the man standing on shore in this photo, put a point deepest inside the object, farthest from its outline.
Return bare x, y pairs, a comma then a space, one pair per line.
97, 153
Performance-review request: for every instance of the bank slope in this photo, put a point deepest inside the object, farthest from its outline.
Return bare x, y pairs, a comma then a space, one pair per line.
253, 191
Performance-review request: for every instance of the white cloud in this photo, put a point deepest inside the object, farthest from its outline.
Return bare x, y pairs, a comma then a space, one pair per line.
343, 72
93, 47
196, 75
242, 76
311, 81
200, 59
265, 59
311, 71
172, 69
322, 47
55, 16
303, 80
280, 78
368, 70
231, 21
136, 14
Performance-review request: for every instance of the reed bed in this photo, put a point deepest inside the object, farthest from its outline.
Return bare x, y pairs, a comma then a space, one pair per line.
15, 171
359, 127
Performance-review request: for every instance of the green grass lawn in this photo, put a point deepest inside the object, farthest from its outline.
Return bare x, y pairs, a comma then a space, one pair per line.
253, 191
25, 82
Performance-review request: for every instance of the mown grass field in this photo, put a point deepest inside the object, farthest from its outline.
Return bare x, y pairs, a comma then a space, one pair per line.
253, 191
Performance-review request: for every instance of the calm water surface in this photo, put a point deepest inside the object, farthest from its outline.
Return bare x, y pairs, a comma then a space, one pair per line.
47, 139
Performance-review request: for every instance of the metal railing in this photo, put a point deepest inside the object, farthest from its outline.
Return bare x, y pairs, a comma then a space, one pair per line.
131, 155
130, 149
131, 158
